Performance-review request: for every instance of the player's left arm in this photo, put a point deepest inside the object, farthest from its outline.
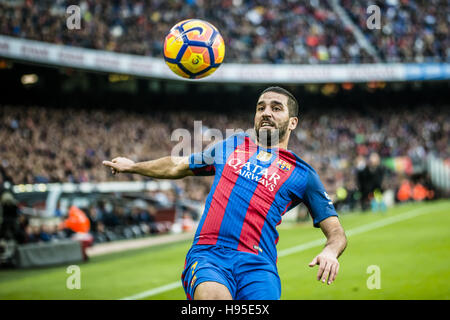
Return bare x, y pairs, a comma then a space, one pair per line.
324, 216
328, 258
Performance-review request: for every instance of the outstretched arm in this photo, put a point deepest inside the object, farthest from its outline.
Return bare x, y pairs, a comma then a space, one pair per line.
163, 168
336, 243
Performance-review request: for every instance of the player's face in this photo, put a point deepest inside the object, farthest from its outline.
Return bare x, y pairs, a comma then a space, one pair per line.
271, 118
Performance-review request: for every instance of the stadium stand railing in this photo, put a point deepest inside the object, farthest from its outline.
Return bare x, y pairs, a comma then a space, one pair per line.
439, 170
98, 60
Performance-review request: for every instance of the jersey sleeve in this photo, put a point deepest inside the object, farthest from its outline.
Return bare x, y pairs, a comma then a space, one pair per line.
203, 163
317, 200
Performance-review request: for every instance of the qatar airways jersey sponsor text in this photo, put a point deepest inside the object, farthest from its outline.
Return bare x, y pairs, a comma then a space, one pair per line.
255, 172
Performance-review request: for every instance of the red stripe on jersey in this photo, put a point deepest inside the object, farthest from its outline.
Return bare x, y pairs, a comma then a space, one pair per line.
285, 209
260, 204
211, 226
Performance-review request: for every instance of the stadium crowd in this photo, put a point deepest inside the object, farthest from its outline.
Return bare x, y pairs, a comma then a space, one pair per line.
103, 220
347, 148
255, 31
411, 31
41, 145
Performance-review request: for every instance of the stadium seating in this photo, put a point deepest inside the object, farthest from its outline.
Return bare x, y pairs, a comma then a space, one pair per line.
412, 31
336, 144
254, 31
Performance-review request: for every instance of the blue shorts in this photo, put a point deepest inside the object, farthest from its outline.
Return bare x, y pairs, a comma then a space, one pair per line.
246, 275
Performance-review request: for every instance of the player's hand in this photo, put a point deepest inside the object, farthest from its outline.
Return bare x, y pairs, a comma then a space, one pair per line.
328, 266
120, 164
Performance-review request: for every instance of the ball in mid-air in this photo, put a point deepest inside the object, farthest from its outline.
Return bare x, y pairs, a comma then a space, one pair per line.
194, 49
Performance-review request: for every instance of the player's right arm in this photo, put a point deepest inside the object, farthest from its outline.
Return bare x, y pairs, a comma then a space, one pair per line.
162, 168
197, 164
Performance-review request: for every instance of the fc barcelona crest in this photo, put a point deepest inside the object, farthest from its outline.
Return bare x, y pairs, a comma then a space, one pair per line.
283, 165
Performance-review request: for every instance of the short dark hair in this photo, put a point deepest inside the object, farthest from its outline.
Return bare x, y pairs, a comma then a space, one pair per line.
292, 102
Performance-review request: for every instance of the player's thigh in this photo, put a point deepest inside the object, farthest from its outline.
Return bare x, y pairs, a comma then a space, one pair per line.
210, 290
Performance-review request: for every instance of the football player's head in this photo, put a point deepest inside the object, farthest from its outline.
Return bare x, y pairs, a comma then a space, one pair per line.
275, 116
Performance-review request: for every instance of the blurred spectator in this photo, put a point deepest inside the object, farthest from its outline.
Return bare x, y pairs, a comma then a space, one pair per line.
93, 218
370, 180
419, 192
34, 233
122, 217
187, 222
10, 224
416, 188
377, 202
23, 225
77, 221
46, 233
124, 221
110, 219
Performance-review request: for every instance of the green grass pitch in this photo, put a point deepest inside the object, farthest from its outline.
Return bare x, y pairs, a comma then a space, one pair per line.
413, 256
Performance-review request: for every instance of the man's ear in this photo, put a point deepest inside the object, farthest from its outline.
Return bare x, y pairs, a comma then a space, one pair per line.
293, 122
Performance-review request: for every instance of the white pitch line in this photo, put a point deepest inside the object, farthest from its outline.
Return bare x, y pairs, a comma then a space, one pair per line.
357, 230
155, 291
301, 247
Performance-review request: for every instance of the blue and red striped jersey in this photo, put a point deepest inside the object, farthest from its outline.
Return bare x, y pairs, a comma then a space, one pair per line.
253, 188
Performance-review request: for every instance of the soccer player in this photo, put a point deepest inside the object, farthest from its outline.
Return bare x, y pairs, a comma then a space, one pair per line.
234, 255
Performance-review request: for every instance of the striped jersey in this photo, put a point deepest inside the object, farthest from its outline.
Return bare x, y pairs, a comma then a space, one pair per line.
253, 188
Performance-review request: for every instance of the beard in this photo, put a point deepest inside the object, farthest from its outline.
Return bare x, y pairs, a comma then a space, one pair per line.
271, 137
